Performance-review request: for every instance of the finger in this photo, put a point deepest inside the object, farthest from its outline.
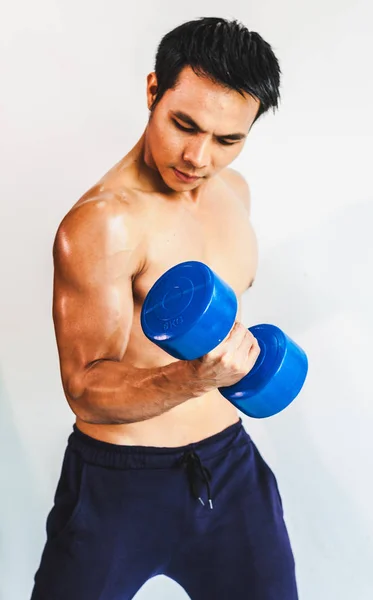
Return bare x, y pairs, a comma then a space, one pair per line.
248, 341
237, 335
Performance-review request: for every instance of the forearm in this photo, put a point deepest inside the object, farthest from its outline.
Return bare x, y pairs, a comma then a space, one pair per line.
113, 392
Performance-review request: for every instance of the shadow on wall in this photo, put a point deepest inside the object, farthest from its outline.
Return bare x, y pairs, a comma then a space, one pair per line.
18, 498
306, 278
316, 286
330, 533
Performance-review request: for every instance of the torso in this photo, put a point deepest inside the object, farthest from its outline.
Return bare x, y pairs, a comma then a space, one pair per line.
217, 232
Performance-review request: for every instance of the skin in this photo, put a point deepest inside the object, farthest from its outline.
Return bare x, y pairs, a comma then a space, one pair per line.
167, 221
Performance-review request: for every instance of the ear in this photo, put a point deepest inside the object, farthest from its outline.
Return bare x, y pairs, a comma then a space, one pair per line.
151, 88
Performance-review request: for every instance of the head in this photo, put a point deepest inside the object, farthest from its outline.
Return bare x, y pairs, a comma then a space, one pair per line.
212, 80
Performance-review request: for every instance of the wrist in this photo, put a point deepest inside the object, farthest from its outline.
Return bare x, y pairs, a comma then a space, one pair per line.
200, 384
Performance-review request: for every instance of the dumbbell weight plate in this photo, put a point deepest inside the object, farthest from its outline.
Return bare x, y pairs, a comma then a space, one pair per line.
276, 378
188, 311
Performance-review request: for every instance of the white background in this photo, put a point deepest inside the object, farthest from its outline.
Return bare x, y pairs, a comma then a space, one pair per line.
73, 76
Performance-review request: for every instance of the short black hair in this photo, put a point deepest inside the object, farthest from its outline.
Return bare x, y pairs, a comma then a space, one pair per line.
224, 51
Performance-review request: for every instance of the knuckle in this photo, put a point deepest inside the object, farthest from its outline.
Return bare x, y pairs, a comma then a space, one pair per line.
225, 360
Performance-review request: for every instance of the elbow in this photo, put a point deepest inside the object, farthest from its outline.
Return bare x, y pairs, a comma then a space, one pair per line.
76, 396
74, 387
84, 410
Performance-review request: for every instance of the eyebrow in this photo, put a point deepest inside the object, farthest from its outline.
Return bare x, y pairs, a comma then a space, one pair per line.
187, 119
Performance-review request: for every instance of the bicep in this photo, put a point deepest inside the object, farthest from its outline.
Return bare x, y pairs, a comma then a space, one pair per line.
92, 299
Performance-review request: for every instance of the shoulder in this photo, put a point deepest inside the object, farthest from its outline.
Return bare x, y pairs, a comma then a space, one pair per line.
90, 214
98, 210
98, 227
239, 185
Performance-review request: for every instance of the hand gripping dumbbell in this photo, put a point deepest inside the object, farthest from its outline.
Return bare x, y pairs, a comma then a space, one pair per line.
190, 310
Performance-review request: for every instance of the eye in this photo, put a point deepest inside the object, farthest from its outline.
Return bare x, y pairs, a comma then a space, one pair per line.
223, 143
181, 127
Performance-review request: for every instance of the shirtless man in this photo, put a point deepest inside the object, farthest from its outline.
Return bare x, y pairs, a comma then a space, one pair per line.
159, 476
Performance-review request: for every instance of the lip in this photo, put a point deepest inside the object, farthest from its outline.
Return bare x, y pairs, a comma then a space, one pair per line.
186, 178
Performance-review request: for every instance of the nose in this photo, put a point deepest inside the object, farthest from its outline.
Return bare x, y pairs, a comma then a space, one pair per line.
196, 153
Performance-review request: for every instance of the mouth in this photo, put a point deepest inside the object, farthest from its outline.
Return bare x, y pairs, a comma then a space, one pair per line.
184, 177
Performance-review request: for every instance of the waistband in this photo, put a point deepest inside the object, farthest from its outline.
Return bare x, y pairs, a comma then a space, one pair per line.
133, 457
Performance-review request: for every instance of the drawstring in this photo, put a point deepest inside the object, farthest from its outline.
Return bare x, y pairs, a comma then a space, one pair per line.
195, 469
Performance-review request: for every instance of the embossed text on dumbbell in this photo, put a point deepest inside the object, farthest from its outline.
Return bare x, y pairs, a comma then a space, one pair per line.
172, 323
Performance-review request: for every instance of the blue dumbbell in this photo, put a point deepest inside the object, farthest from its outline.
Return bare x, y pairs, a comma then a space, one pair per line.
190, 310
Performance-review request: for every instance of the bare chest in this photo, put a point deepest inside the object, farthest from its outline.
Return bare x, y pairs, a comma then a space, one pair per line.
218, 234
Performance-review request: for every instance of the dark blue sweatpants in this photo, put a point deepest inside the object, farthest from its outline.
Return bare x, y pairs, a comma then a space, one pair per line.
207, 515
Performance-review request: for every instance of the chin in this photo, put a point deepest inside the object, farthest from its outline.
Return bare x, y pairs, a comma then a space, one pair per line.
168, 180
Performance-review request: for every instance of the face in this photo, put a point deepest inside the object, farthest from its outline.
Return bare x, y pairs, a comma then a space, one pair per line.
191, 129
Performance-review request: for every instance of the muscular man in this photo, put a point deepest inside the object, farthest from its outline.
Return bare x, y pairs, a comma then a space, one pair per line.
159, 475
